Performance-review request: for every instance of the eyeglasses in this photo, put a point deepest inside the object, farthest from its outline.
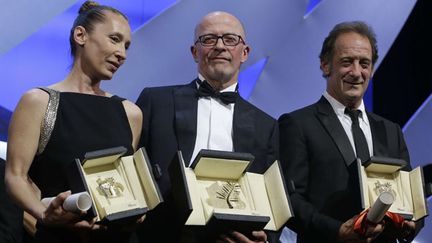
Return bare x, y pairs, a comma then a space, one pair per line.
227, 39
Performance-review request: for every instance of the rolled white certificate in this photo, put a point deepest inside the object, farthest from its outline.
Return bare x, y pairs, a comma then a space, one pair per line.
74, 203
379, 208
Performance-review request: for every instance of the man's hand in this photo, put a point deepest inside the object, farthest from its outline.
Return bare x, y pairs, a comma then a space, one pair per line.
347, 233
258, 236
405, 232
408, 228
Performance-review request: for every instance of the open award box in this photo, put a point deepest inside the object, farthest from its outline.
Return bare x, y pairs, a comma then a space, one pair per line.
122, 188
382, 174
217, 192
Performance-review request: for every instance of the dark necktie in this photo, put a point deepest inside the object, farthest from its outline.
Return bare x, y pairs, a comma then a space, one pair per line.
206, 90
361, 145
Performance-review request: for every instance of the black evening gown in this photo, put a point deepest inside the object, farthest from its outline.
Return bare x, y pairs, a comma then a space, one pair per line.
83, 123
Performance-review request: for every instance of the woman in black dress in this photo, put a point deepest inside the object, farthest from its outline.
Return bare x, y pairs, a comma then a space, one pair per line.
52, 126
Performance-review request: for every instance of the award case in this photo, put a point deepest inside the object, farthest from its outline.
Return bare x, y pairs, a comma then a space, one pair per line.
122, 188
381, 174
217, 193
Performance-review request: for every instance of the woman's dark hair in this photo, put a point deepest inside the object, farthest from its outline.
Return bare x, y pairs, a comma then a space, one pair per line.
89, 14
358, 27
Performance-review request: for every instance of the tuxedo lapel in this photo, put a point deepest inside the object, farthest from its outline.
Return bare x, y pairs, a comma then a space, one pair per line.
379, 135
333, 126
243, 126
186, 104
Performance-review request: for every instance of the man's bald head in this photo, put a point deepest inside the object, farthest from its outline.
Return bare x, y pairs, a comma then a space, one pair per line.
219, 18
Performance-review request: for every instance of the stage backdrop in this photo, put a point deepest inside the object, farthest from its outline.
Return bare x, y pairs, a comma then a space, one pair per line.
282, 73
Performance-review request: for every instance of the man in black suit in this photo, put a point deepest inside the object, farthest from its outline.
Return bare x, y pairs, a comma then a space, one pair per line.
317, 144
207, 113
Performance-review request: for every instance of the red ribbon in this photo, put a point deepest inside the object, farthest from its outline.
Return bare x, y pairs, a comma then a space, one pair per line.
361, 223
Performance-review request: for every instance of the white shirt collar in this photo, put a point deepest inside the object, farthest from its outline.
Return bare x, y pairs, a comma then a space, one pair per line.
229, 88
339, 108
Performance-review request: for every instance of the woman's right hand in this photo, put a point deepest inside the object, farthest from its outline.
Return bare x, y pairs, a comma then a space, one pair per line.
56, 216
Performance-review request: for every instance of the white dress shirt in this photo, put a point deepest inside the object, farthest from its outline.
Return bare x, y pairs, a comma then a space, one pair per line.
346, 122
214, 124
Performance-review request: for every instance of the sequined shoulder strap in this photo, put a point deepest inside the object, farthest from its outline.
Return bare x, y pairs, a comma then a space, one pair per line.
47, 125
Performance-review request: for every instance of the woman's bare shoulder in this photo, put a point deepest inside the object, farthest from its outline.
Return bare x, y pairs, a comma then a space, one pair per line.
34, 99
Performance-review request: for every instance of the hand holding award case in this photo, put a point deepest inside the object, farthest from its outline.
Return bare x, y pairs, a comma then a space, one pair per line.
217, 193
382, 174
122, 188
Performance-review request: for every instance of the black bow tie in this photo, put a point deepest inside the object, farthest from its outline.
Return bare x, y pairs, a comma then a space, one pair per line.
206, 90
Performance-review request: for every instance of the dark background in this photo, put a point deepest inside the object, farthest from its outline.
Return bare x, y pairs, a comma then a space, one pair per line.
404, 79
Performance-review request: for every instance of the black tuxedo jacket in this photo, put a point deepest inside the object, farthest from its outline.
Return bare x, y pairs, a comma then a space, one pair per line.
317, 153
169, 125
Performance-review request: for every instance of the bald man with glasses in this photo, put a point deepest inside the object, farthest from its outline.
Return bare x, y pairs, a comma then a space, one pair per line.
207, 113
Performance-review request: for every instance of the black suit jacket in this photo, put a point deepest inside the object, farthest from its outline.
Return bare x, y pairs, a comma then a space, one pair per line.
316, 153
169, 125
